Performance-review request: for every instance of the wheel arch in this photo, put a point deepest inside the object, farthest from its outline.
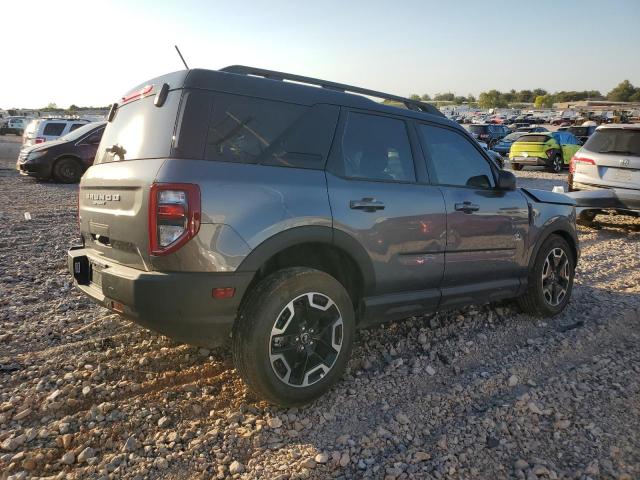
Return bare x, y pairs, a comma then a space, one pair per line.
321, 247
563, 229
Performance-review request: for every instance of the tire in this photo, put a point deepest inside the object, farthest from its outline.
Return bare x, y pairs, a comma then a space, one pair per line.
516, 166
543, 301
268, 328
67, 170
556, 164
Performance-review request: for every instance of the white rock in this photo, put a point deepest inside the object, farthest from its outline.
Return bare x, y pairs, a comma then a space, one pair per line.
236, 467
430, 370
68, 458
274, 422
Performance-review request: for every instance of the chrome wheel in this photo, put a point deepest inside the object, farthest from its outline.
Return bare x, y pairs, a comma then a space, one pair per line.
557, 164
306, 339
556, 277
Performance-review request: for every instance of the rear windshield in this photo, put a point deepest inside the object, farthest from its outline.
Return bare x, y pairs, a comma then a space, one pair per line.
533, 139
620, 141
512, 137
140, 130
478, 128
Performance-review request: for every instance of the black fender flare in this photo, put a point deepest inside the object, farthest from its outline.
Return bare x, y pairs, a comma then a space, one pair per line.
560, 224
311, 234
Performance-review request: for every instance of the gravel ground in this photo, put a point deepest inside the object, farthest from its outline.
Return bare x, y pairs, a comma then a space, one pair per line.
482, 392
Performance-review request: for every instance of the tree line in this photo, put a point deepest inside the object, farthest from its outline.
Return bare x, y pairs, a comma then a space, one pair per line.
623, 92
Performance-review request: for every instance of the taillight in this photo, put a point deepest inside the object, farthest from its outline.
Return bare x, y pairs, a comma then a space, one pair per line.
40, 140
174, 216
576, 159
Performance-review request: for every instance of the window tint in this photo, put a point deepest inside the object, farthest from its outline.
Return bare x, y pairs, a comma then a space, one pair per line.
454, 159
477, 128
140, 130
376, 148
53, 129
533, 138
614, 140
252, 130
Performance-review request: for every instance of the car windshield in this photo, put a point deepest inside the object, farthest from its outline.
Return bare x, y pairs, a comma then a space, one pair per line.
512, 137
477, 128
615, 140
78, 132
533, 138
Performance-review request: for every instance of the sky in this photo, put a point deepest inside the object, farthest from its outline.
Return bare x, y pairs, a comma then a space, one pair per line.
91, 52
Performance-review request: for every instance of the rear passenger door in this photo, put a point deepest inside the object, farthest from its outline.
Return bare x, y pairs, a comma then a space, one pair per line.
486, 227
379, 196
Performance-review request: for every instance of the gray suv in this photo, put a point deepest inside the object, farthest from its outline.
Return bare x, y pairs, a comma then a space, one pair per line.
285, 212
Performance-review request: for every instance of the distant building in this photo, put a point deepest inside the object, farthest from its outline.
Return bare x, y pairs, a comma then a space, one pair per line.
597, 105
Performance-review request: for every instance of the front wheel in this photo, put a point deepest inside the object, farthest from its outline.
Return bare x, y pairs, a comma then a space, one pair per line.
294, 335
67, 170
516, 166
550, 279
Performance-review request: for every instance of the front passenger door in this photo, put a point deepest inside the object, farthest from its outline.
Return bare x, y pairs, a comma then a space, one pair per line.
486, 227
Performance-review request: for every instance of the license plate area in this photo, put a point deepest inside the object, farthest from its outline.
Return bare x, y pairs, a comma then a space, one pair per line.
95, 273
622, 175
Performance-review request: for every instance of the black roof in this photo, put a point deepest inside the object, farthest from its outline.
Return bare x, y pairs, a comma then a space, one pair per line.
292, 88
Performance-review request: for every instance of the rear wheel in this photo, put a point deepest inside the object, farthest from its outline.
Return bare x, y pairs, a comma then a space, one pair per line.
67, 170
516, 166
293, 337
556, 164
550, 280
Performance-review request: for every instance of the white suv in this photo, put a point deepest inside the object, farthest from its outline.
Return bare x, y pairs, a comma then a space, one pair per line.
46, 129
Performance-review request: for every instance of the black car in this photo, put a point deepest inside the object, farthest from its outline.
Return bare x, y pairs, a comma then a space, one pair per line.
64, 159
489, 133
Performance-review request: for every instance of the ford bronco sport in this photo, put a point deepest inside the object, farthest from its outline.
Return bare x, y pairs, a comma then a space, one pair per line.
284, 212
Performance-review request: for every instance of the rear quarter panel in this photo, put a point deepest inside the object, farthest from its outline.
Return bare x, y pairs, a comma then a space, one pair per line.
254, 202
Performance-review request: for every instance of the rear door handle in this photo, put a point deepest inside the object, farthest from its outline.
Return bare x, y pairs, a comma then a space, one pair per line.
467, 207
366, 204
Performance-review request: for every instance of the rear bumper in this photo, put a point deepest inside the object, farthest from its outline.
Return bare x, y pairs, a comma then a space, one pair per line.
529, 161
176, 304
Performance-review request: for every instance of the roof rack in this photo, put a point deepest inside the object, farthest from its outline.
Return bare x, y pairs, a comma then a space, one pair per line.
340, 87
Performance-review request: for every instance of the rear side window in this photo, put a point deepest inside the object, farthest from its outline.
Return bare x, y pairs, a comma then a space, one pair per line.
374, 147
454, 158
253, 130
76, 125
140, 130
53, 129
615, 141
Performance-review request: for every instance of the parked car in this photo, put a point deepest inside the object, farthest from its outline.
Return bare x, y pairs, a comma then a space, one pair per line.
489, 133
550, 149
495, 156
47, 129
64, 159
503, 146
609, 159
290, 215
531, 129
14, 125
582, 133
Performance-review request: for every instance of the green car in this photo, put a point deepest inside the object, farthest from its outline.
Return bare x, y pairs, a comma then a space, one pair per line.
550, 149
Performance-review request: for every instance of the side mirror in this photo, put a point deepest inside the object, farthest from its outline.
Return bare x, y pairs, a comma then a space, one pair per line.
506, 180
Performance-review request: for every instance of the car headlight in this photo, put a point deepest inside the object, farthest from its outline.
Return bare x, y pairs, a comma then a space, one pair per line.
37, 154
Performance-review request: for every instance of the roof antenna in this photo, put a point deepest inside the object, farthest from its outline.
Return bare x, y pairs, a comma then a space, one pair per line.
181, 57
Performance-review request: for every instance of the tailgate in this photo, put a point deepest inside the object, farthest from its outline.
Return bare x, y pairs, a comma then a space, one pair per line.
113, 207
522, 149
